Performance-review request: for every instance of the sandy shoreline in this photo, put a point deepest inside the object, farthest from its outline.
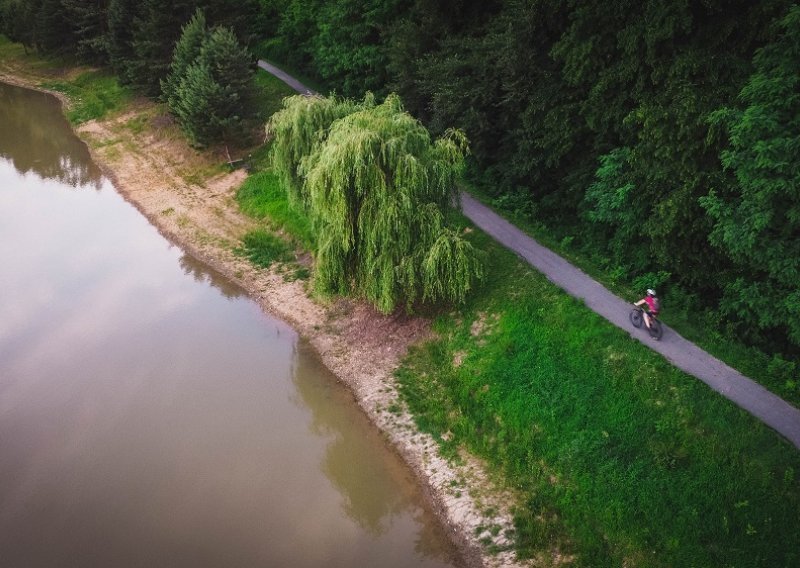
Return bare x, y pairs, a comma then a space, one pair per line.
157, 172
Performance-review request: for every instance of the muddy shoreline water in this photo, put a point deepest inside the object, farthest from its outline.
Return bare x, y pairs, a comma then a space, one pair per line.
154, 169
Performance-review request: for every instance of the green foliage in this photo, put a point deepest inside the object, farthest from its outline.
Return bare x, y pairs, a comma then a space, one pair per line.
376, 188
89, 20
347, 48
212, 94
121, 14
298, 128
156, 28
757, 218
263, 196
263, 248
187, 50
619, 458
93, 95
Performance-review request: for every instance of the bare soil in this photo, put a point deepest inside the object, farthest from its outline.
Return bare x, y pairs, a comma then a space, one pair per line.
189, 196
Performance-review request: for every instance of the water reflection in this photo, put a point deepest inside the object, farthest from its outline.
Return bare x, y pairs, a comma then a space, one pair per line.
45, 146
152, 416
376, 488
204, 274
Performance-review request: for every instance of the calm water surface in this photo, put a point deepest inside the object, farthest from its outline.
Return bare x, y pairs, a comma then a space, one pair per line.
151, 415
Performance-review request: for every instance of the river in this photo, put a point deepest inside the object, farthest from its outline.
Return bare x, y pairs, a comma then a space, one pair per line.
150, 413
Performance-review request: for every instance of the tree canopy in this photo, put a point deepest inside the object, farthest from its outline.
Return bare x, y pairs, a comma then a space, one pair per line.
210, 85
658, 138
378, 189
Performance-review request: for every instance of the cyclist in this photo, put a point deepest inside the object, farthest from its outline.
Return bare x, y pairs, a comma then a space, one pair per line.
653, 306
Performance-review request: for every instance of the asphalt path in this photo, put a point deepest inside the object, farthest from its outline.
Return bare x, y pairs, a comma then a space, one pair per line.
746, 393
286, 78
758, 401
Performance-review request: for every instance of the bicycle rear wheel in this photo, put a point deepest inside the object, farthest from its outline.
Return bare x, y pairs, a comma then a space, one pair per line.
656, 330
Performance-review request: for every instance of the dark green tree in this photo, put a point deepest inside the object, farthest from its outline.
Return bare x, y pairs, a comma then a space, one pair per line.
52, 29
121, 15
187, 50
156, 28
348, 48
89, 19
214, 101
757, 218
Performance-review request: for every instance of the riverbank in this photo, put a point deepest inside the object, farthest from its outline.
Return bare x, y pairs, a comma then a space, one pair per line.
615, 456
190, 198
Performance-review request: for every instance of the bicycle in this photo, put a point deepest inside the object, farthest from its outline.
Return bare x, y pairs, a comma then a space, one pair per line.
637, 318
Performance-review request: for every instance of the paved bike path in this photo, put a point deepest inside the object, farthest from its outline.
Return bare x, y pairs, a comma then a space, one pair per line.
749, 395
758, 401
286, 78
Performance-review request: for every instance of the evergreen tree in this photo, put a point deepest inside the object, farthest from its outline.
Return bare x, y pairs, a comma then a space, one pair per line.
89, 19
155, 31
214, 100
52, 30
186, 52
121, 15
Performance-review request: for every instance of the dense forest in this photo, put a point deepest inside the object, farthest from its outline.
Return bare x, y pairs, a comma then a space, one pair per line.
660, 138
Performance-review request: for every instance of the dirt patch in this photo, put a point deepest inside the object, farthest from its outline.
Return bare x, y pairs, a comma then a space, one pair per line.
190, 199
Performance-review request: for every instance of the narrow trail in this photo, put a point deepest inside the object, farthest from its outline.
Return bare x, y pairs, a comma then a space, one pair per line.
286, 78
749, 395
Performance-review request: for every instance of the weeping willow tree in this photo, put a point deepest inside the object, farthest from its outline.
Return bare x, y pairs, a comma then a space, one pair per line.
377, 188
298, 128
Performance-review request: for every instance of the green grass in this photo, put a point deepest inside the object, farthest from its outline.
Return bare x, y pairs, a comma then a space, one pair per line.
262, 196
779, 376
264, 248
12, 52
9, 49
271, 92
93, 94
621, 459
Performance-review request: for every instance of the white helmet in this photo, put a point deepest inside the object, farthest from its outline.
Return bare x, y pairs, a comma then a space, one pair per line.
651, 292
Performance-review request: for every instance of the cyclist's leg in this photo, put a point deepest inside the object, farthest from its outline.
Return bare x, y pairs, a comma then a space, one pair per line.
646, 319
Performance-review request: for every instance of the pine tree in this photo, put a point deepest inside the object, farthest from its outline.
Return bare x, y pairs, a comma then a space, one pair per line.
187, 50
52, 31
214, 99
155, 31
121, 15
89, 19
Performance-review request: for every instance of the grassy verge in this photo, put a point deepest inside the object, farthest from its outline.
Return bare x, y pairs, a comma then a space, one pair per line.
270, 92
621, 459
774, 373
262, 197
93, 95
